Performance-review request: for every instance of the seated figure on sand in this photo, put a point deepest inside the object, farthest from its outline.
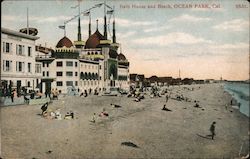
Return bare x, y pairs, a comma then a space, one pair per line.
103, 113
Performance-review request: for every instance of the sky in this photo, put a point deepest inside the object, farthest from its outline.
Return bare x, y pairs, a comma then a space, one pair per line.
206, 39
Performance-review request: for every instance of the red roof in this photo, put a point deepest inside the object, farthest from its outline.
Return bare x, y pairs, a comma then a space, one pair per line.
64, 42
121, 57
94, 40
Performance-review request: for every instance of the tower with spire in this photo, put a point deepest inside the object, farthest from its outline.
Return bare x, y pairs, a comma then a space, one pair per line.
79, 43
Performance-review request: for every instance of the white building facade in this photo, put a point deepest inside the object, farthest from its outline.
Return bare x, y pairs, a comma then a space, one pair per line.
18, 65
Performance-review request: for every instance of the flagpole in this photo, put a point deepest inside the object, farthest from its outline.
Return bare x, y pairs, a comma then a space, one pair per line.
64, 29
89, 24
27, 20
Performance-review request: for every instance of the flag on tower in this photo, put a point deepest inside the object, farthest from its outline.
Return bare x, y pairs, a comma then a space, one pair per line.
86, 13
110, 11
99, 5
61, 26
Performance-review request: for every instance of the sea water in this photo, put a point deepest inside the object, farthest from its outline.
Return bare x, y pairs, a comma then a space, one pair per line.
240, 92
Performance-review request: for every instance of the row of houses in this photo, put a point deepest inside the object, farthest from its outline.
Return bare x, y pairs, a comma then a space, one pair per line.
141, 80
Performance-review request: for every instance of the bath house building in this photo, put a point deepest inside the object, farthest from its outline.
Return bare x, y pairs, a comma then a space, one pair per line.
85, 65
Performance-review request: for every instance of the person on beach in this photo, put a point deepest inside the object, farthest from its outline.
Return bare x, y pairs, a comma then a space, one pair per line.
167, 98
12, 96
164, 108
103, 113
44, 107
212, 130
93, 118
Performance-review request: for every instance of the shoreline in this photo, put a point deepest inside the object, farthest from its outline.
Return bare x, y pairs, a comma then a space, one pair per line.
239, 99
158, 134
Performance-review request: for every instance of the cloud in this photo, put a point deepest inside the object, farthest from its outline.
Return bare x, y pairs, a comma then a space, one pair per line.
233, 25
171, 38
154, 29
129, 23
51, 19
189, 18
35, 19
234, 46
12, 18
126, 34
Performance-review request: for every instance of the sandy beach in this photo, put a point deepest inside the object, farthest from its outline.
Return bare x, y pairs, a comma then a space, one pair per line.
180, 133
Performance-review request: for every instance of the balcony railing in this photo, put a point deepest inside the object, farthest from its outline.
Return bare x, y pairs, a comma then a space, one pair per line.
44, 57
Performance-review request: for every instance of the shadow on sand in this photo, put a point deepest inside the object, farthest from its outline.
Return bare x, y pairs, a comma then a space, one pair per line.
130, 144
205, 137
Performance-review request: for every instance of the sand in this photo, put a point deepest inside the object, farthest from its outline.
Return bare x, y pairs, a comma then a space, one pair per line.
157, 133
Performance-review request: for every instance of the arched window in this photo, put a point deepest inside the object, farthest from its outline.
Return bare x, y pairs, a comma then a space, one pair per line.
92, 53
93, 76
88, 53
89, 75
96, 53
82, 75
85, 75
96, 76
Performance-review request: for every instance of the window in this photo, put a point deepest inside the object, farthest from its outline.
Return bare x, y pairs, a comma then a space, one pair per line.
20, 49
28, 83
69, 63
59, 63
37, 82
43, 73
7, 47
47, 73
38, 68
69, 73
75, 73
19, 66
75, 64
43, 64
29, 51
59, 74
76, 83
69, 83
59, 83
100, 67
7, 65
29, 67
47, 64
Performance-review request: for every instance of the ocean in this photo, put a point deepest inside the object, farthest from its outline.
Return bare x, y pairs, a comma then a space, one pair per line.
240, 92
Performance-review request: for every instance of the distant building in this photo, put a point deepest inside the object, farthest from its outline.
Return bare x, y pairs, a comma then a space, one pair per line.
138, 80
18, 65
188, 81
